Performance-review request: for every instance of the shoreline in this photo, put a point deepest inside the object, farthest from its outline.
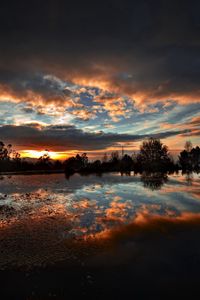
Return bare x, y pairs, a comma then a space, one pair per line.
32, 172
85, 173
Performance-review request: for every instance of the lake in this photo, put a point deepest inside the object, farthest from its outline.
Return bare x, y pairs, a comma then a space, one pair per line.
48, 222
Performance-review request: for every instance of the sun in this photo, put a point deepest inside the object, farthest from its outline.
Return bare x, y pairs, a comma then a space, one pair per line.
38, 153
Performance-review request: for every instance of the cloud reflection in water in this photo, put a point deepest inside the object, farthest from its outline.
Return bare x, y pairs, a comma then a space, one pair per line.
56, 212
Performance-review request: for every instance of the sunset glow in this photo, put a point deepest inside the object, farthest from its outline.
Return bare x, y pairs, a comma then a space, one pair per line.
100, 149
37, 154
67, 95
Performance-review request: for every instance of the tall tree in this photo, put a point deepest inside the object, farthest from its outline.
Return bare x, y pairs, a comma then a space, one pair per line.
153, 154
5, 152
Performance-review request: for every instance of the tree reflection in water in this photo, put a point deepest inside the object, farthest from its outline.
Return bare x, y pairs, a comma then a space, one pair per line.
154, 181
188, 177
127, 173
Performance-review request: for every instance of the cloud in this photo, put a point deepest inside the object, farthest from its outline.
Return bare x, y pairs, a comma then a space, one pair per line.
184, 119
194, 121
109, 63
193, 132
28, 110
115, 105
68, 137
84, 114
148, 51
36, 88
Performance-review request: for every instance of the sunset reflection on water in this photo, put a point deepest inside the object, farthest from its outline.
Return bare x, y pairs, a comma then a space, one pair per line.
46, 212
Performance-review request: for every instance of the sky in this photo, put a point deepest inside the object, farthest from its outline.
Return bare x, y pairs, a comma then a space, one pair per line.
91, 76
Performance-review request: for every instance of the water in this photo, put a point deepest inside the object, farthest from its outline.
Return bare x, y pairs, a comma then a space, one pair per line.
97, 235
94, 204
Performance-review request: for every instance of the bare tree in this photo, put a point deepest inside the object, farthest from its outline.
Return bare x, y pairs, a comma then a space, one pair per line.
188, 146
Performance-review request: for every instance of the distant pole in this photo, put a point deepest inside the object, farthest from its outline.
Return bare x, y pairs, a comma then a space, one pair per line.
122, 151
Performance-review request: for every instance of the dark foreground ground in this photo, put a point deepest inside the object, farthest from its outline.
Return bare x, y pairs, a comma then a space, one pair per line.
153, 258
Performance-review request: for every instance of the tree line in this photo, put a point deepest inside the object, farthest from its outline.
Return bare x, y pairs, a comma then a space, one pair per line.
153, 156
11, 161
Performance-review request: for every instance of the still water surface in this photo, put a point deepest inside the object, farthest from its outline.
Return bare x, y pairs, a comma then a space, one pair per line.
93, 204
90, 235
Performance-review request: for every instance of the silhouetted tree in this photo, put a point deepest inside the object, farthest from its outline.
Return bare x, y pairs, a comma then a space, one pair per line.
105, 158
70, 165
44, 161
195, 158
190, 159
153, 155
5, 157
16, 160
96, 164
5, 151
126, 163
134, 156
84, 160
184, 160
16, 156
114, 157
58, 165
76, 164
45, 158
